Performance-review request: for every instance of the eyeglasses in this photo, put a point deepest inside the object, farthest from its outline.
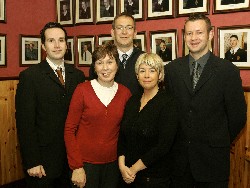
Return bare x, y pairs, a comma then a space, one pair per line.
127, 28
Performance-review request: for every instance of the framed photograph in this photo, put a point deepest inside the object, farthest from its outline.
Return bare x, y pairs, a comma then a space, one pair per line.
85, 48
69, 56
3, 11
103, 39
234, 44
186, 7
64, 12
140, 41
228, 6
133, 7
3, 59
164, 43
185, 50
160, 9
30, 50
84, 12
106, 10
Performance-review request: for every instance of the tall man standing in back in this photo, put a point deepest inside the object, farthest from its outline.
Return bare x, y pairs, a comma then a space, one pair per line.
42, 99
123, 32
212, 110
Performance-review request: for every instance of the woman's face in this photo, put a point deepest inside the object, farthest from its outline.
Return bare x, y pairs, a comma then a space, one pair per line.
106, 69
148, 77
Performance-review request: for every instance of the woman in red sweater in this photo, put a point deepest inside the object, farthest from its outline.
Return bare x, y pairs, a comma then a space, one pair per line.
93, 123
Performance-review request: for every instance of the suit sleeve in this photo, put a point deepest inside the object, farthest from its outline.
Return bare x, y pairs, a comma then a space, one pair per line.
26, 121
235, 103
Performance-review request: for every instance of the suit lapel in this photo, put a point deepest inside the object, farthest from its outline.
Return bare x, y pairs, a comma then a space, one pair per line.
48, 71
68, 76
185, 73
207, 72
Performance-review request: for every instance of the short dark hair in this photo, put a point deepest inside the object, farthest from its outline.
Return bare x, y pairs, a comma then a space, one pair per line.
235, 36
49, 26
199, 16
125, 14
101, 51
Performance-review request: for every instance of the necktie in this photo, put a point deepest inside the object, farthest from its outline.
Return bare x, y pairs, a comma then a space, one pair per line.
85, 56
124, 60
60, 76
196, 74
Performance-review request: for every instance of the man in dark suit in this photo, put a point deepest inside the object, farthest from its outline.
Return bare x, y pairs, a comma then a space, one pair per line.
132, 7
108, 9
235, 54
65, 13
212, 110
164, 52
123, 32
42, 100
161, 6
84, 10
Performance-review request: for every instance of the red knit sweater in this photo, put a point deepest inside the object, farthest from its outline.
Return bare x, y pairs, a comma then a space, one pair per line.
91, 129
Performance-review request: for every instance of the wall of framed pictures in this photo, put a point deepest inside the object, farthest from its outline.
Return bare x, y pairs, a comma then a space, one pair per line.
151, 22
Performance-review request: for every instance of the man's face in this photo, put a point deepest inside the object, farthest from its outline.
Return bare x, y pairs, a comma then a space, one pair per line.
124, 37
197, 37
233, 42
55, 44
85, 48
163, 46
83, 5
64, 7
106, 3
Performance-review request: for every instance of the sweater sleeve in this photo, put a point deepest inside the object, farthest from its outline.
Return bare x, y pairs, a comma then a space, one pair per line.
71, 127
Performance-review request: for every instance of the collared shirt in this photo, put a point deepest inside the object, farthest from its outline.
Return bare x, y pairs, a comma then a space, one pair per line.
105, 94
121, 53
54, 67
233, 51
202, 61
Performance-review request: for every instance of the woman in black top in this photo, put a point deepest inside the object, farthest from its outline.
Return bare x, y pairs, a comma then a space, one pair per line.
148, 129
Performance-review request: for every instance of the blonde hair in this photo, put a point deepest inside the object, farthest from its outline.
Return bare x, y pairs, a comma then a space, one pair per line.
152, 60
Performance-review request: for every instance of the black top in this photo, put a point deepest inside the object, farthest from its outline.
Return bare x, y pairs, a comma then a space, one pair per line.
148, 135
127, 76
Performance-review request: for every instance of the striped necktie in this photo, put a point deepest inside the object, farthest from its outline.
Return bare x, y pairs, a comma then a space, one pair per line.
196, 73
124, 60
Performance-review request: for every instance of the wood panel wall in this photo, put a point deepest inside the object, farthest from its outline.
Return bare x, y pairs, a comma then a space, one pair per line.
10, 161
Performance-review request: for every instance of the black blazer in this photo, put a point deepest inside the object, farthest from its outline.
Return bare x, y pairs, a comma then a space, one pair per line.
239, 56
211, 116
41, 109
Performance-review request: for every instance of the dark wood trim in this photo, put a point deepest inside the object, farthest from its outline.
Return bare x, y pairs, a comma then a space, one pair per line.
9, 78
246, 88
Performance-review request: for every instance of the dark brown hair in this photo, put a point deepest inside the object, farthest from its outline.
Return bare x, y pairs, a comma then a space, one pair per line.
199, 16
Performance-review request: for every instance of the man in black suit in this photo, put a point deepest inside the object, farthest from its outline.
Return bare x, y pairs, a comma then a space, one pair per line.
212, 110
123, 32
235, 54
84, 10
164, 52
65, 13
108, 9
132, 7
161, 6
42, 100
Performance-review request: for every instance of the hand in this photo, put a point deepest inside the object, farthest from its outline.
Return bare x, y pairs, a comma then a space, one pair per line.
37, 171
79, 177
127, 175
